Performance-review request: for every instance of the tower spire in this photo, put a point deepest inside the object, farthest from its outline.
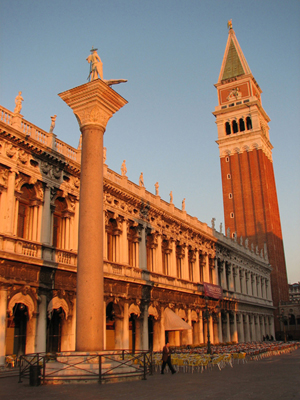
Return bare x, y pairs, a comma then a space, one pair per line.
234, 62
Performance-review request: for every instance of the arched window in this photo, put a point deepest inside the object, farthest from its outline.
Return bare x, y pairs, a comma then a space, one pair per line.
235, 128
242, 125
228, 128
248, 123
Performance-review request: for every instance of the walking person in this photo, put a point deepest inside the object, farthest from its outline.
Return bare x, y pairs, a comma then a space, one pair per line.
166, 357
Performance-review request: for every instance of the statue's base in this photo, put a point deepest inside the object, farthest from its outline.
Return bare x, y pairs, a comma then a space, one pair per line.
90, 367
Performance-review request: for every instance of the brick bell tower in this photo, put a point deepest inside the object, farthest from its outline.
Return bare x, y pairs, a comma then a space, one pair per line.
249, 191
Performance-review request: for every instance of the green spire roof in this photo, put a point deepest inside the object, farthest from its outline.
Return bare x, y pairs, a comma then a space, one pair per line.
233, 66
234, 63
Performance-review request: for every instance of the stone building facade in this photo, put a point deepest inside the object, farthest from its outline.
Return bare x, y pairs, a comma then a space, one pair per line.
155, 257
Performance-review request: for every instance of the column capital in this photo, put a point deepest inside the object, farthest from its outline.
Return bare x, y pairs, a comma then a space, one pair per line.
93, 103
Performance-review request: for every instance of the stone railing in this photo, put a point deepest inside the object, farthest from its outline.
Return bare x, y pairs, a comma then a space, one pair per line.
122, 270
19, 246
34, 133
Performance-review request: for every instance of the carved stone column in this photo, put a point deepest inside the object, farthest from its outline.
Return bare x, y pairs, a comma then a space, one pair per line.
3, 308
41, 325
93, 105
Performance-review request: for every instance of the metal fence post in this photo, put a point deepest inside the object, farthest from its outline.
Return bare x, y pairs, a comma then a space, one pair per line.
20, 371
144, 357
100, 367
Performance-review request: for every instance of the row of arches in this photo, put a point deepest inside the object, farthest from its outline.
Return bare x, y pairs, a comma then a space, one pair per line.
236, 126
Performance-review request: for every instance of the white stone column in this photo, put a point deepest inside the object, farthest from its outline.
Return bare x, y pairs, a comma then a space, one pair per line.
241, 336
230, 278
234, 329
158, 254
259, 294
211, 329
248, 283
10, 203
196, 271
190, 331
206, 268
31, 335
125, 326
41, 330
228, 338
224, 281
162, 328
252, 324
185, 264
247, 328
35, 222
145, 333
3, 308
272, 327
220, 327
172, 259
216, 275
201, 338
142, 249
237, 280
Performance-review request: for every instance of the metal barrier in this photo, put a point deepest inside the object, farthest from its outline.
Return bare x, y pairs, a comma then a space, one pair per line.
98, 366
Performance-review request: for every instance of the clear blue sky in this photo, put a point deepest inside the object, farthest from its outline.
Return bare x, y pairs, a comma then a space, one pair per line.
171, 53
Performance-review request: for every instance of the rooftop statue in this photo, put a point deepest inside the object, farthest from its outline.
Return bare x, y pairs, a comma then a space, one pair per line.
18, 101
52, 126
123, 168
156, 189
229, 24
141, 180
96, 69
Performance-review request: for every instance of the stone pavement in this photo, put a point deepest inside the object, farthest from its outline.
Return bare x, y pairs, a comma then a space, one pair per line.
273, 378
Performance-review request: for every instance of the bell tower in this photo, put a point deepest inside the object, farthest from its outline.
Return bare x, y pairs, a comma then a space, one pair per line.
249, 192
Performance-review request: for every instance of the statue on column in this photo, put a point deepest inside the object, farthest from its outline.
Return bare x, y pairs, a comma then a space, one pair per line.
18, 101
96, 69
52, 126
96, 66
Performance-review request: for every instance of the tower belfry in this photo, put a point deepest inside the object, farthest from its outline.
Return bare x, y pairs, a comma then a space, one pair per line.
249, 191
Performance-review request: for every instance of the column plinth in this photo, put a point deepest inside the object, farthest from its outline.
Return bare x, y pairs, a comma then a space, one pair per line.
93, 105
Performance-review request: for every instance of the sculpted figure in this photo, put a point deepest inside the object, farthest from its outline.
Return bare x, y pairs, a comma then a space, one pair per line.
171, 197
156, 189
104, 154
183, 204
52, 126
141, 180
96, 66
229, 24
123, 168
18, 101
213, 223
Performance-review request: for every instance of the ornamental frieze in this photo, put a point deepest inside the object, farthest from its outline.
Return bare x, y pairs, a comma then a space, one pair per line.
65, 280
19, 273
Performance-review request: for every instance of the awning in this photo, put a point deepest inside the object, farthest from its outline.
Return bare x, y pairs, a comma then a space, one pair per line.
173, 322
